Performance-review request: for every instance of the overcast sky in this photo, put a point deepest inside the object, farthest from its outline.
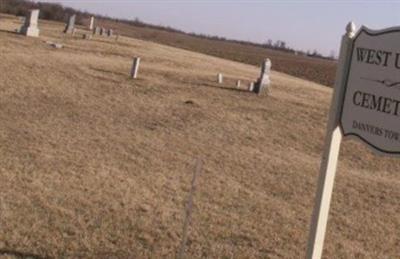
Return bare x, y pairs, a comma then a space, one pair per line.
305, 25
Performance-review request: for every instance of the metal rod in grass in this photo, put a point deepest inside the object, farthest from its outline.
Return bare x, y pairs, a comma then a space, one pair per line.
189, 208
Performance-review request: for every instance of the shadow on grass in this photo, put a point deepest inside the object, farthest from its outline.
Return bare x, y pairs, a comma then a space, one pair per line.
109, 72
225, 87
10, 32
22, 255
103, 77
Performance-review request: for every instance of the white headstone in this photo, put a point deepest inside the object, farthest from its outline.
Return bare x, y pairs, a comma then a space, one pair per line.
220, 78
30, 27
70, 25
135, 67
263, 81
238, 83
251, 87
91, 26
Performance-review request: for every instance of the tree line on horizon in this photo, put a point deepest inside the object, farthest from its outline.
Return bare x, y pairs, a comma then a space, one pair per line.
57, 12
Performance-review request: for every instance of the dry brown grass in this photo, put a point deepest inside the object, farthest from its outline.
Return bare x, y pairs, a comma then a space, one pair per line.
95, 165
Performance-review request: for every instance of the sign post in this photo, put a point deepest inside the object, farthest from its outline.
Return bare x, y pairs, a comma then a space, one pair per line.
331, 153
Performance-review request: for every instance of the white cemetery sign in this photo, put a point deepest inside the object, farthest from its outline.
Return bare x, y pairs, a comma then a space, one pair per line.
371, 107
365, 105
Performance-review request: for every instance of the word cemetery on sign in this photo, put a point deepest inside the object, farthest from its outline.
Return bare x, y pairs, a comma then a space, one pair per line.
371, 107
365, 104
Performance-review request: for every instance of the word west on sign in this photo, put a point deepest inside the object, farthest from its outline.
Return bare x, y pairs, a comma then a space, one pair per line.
371, 107
365, 104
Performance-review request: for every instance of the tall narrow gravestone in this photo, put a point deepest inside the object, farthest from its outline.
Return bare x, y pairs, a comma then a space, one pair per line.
135, 67
91, 25
220, 78
263, 81
70, 25
30, 27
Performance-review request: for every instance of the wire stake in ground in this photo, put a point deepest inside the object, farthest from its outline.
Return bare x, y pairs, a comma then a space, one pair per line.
189, 208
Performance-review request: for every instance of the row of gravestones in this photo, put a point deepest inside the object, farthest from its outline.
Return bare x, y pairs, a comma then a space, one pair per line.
30, 28
103, 32
261, 84
70, 28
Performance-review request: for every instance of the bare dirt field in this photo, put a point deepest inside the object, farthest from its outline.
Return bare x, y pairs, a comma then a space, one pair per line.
96, 165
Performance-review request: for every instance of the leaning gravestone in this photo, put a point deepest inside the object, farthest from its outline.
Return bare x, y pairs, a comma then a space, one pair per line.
103, 31
135, 67
70, 25
30, 27
263, 81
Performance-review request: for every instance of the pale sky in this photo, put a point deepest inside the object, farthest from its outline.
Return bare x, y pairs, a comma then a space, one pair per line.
305, 25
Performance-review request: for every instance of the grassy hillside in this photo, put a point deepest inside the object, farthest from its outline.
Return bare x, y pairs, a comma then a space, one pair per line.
96, 165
